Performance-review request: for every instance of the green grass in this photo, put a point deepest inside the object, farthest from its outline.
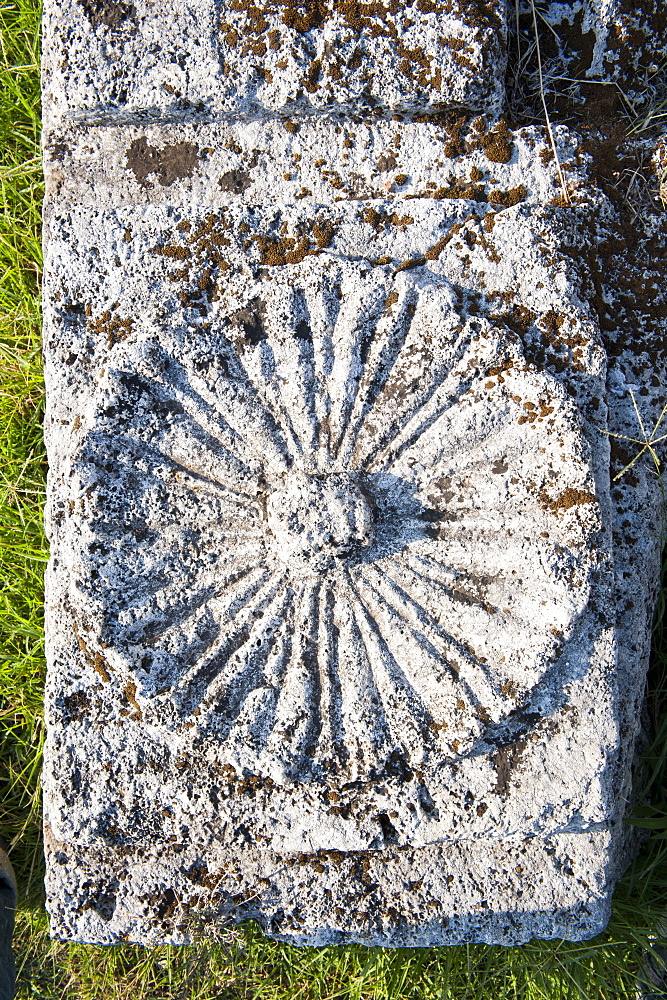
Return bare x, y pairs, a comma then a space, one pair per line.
243, 964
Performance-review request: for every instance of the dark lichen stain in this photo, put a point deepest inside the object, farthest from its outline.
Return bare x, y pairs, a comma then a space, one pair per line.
76, 706
251, 321
389, 832
303, 331
171, 163
58, 151
167, 904
387, 162
102, 899
504, 760
235, 181
109, 13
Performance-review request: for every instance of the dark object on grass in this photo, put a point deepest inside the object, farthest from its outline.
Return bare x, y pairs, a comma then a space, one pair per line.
7, 912
653, 975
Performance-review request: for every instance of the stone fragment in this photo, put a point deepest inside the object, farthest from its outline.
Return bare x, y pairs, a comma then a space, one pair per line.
185, 594
617, 44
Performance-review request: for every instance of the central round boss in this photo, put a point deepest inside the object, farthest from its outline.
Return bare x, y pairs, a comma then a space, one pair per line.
319, 521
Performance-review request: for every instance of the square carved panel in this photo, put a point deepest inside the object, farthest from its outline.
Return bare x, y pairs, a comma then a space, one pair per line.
324, 533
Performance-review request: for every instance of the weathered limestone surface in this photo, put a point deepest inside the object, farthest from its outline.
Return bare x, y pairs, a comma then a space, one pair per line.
495, 891
468, 165
347, 623
608, 42
246, 58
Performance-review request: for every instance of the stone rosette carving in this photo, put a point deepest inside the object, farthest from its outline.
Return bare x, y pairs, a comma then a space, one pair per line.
336, 532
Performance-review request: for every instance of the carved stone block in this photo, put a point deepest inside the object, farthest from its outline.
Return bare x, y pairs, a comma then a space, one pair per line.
337, 607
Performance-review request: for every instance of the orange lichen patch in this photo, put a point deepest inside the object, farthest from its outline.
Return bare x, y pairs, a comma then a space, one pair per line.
461, 51
407, 265
303, 17
518, 318
434, 252
508, 198
278, 251
460, 189
93, 658
286, 250
534, 412
175, 252
130, 691
336, 181
416, 65
374, 218
498, 372
115, 329
256, 22
369, 20
312, 77
373, 19
379, 221
570, 497
324, 233
557, 340
497, 144
201, 255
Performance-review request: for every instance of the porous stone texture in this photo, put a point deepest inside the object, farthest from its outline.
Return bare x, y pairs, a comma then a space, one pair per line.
495, 892
347, 620
602, 50
109, 59
471, 163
